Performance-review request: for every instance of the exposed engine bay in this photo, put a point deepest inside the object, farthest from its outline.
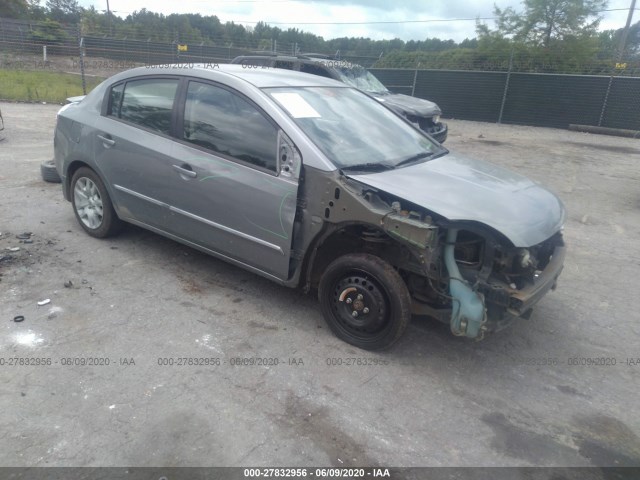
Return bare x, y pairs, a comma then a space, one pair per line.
474, 279
462, 273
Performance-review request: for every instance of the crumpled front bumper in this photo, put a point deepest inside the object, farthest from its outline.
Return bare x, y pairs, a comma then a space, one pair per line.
523, 300
506, 305
439, 131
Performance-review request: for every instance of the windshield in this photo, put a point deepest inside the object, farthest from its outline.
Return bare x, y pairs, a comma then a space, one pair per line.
353, 130
362, 79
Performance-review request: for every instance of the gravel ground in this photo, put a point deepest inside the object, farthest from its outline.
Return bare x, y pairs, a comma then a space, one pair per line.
514, 399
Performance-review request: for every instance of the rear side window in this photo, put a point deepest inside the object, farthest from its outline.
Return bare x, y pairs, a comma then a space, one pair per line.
147, 103
227, 124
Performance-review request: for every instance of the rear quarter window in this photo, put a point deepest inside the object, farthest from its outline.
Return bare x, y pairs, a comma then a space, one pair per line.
115, 100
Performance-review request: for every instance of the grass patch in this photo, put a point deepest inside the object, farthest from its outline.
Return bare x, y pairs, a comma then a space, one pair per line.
40, 86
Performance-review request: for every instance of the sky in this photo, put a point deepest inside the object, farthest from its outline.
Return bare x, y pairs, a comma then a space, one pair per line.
444, 19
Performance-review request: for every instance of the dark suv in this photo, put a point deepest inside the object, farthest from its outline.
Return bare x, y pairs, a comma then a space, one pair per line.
422, 113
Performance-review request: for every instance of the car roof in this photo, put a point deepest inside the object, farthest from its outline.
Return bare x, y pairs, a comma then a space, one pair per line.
309, 58
259, 77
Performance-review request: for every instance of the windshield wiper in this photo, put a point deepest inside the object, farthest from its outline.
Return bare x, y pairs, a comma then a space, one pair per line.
368, 167
419, 156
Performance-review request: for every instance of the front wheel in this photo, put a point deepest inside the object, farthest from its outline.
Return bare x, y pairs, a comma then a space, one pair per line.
364, 301
92, 205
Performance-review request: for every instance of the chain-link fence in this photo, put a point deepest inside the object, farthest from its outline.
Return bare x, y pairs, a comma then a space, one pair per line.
549, 100
506, 96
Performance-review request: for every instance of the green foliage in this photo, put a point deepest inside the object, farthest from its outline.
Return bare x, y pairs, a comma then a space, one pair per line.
14, 8
49, 32
543, 21
41, 86
609, 41
36, 11
548, 36
64, 11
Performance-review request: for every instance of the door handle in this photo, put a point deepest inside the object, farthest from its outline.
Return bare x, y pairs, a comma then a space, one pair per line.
185, 170
106, 141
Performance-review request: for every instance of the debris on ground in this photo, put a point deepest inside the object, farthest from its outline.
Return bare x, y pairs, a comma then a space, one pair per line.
18, 318
13, 249
53, 312
44, 302
68, 284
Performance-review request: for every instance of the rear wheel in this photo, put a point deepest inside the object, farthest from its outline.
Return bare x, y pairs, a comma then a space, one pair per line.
92, 205
364, 301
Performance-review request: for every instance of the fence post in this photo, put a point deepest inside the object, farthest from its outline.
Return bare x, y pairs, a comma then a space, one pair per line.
506, 86
81, 52
605, 101
620, 54
415, 77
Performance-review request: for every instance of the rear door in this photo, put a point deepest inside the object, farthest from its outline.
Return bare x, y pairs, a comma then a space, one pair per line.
132, 147
234, 190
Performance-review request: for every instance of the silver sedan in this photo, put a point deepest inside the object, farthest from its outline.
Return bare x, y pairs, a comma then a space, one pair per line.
312, 184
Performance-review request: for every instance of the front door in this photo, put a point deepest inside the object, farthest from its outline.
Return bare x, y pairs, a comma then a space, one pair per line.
230, 191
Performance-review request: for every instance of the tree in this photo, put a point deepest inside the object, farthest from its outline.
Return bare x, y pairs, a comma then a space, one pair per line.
65, 11
13, 8
544, 21
610, 41
36, 11
49, 32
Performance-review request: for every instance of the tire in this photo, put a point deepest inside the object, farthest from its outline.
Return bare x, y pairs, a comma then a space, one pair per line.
371, 287
92, 204
49, 172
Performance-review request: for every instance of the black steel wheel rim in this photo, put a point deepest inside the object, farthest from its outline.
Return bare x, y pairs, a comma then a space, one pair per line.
359, 292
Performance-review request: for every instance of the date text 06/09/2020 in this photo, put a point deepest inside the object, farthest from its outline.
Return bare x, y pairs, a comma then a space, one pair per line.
317, 472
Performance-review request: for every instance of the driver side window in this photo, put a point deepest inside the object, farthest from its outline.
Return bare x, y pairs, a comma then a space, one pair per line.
227, 124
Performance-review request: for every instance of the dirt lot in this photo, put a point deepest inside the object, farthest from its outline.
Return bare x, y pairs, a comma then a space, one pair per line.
514, 399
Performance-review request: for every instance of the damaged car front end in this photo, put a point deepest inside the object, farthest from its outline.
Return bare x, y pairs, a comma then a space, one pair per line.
499, 247
462, 273
476, 245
